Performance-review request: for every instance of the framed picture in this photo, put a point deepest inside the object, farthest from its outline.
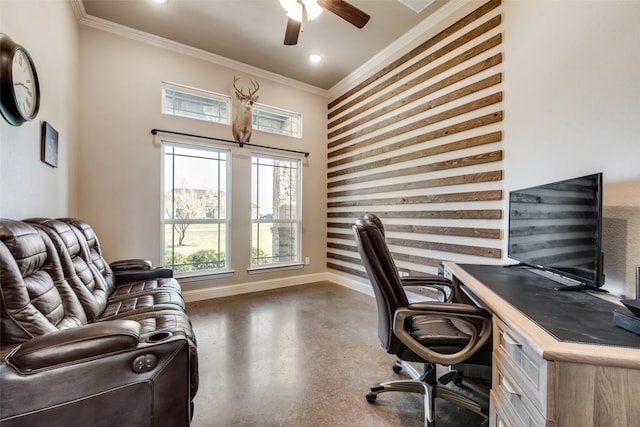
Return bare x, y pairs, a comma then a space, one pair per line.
49, 149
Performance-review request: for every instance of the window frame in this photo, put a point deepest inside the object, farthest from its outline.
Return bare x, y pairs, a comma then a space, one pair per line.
297, 221
175, 142
213, 96
268, 109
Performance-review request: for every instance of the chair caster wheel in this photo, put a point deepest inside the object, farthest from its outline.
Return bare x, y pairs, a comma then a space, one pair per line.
397, 369
371, 398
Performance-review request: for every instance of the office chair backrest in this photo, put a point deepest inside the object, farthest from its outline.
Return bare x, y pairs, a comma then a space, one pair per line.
384, 278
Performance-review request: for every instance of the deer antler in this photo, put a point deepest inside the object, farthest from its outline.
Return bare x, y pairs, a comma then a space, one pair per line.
255, 85
240, 91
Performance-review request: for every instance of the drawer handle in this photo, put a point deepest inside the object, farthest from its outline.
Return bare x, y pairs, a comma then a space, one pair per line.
509, 340
507, 386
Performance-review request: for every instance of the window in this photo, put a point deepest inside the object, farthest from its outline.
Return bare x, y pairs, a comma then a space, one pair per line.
195, 202
275, 210
195, 103
275, 120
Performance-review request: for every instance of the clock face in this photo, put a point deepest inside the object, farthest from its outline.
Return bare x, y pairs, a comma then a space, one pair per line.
24, 84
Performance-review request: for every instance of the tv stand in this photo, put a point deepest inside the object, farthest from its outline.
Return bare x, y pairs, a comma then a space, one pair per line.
558, 358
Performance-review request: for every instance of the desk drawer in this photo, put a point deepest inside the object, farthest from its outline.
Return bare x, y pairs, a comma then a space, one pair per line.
498, 416
525, 368
514, 408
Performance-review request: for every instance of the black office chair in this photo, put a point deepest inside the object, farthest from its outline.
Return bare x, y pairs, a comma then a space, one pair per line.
425, 332
427, 285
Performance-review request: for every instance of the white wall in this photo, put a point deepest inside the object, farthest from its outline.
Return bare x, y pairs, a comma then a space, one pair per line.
572, 107
119, 190
28, 187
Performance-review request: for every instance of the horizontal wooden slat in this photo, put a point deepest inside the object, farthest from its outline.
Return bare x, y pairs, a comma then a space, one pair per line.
420, 260
453, 214
468, 107
478, 159
463, 126
344, 258
436, 102
344, 269
351, 248
426, 183
468, 196
484, 233
462, 144
447, 247
372, 107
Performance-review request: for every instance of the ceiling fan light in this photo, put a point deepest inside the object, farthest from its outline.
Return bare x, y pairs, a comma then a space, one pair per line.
287, 4
313, 9
295, 12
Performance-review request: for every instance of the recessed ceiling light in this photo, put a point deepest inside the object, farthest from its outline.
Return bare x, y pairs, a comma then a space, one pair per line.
161, 1
315, 58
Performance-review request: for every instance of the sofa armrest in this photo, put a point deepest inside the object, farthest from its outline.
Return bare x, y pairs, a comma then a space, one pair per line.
139, 275
74, 344
131, 264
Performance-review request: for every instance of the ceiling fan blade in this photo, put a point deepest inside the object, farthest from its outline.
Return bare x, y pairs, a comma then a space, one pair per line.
346, 11
292, 32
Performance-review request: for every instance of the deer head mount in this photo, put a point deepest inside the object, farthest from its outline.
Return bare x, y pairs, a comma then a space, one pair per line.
242, 121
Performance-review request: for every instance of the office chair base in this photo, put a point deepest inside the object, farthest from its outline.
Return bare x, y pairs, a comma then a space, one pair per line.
424, 383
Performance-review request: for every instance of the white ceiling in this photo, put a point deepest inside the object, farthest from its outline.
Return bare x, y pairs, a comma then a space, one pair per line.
252, 32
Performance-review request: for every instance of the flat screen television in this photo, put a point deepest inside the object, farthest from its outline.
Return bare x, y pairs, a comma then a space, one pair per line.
557, 227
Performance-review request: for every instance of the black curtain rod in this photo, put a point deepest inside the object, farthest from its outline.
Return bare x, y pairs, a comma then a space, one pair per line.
229, 141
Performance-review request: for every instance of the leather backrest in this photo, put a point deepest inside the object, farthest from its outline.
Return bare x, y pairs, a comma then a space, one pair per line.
85, 280
36, 299
384, 279
89, 242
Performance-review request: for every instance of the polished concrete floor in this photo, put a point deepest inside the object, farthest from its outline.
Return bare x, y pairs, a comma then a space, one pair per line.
300, 356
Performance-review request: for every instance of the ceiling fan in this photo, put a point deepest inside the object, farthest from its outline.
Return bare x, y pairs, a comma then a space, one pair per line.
300, 10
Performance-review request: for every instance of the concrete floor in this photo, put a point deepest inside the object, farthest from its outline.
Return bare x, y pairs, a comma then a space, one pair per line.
300, 356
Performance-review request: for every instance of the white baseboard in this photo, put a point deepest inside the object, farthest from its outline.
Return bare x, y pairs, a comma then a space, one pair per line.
245, 288
264, 285
361, 287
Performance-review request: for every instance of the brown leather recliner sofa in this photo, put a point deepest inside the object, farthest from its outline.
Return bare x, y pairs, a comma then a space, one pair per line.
86, 343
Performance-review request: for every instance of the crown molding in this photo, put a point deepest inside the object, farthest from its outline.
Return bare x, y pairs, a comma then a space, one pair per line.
163, 43
399, 47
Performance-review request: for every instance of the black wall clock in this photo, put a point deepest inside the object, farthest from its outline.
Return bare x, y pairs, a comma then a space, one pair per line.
19, 87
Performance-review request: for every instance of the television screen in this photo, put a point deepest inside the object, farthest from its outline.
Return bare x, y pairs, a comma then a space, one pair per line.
558, 227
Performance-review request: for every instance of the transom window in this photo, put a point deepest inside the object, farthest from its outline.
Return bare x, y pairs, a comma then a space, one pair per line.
195, 201
275, 210
275, 120
199, 104
184, 101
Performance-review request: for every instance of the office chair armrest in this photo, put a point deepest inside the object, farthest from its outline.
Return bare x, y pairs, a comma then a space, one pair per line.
427, 278
422, 307
441, 285
467, 314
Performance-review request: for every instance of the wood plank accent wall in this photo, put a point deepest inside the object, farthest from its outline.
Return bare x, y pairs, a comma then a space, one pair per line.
419, 143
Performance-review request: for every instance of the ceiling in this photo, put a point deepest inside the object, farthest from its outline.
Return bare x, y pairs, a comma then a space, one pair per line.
252, 32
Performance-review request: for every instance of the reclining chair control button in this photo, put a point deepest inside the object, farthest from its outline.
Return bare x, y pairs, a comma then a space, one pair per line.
144, 363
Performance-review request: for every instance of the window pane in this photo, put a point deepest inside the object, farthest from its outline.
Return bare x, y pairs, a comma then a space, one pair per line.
195, 103
193, 185
274, 243
274, 120
191, 247
275, 188
194, 210
275, 212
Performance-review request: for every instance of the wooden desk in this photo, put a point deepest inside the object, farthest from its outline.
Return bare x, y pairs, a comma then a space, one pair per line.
538, 379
